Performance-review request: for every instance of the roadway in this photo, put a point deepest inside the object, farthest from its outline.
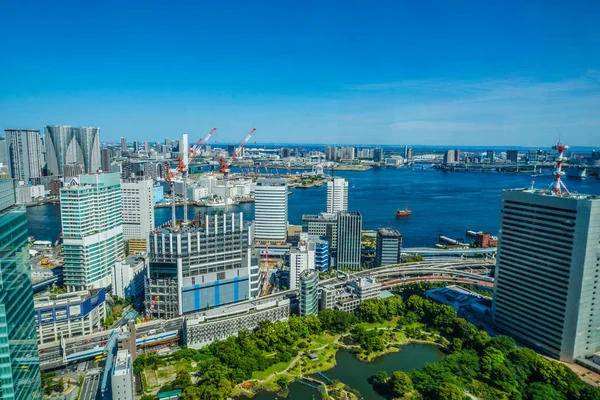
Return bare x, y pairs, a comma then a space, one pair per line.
89, 389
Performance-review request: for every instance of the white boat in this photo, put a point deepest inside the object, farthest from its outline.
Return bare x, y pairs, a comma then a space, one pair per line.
219, 202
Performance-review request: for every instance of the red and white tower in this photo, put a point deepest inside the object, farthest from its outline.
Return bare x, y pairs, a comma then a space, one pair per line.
557, 186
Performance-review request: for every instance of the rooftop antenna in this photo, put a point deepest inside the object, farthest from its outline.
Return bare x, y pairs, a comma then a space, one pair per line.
557, 186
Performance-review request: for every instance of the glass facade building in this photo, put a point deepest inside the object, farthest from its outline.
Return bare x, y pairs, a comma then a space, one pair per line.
72, 145
309, 292
349, 230
19, 361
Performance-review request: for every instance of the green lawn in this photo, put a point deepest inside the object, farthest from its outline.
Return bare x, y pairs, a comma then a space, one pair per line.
279, 367
379, 325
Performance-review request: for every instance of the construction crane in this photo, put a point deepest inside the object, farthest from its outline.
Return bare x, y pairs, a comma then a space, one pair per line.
169, 178
183, 164
152, 304
224, 165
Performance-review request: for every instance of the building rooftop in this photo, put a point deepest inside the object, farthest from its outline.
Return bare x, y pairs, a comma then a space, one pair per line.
63, 299
540, 192
271, 182
320, 217
122, 363
389, 232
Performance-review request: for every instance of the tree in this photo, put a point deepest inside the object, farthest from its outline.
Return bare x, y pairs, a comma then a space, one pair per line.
456, 344
543, 391
400, 383
449, 391
182, 380
380, 378
283, 382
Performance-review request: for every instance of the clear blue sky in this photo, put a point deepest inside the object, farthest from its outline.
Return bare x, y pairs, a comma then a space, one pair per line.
431, 72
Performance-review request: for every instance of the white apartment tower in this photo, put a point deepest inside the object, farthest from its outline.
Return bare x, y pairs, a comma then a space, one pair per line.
337, 195
302, 258
92, 230
138, 209
547, 272
271, 210
24, 154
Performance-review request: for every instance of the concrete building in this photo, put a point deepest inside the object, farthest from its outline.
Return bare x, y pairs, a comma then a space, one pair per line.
322, 225
208, 326
19, 362
271, 210
321, 253
378, 154
92, 226
349, 230
71, 145
27, 193
547, 272
129, 275
105, 160
122, 377
123, 145
309, 292
137, 209
490, 156
388, 247
302, 258
337, 195
347, 296
512, 155
69, 315
459, 298
204, 264
24, 149
449, 157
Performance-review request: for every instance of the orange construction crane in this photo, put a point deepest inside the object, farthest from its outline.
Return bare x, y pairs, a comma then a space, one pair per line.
224, 165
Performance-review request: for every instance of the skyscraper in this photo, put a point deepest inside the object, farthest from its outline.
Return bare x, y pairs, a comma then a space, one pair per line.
378, 154
490, 155
138, 210
389, 247
547, 272
19, 362
136, 146
92, 226
271, 209
71, 145
147, 147
449, 156
105, 160
309, 292
123, 145
405, 154
337, 195
349, 230
512, 155
302, 258
24, 154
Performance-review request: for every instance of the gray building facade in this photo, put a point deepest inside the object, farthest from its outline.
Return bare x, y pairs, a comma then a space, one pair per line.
388, 247
72, 145
24, 153
349, 230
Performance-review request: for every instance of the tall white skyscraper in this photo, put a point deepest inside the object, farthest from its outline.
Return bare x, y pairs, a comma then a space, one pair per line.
138, 209
92, 226
271, 210
24, 151
337, 195
72, 145
302, 258
547, 271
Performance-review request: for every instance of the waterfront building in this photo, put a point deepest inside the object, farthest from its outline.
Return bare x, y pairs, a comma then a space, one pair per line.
69, 315
457, 155
547, 272
323, 225
105, 160
123, 145
388, 247
271, 210
122, 377
129, 275
405, 153
302, 258
137, 209
136, 146
378, 154
309, 292
147, 147
19, 361
347, 153
533, 156
512, 155
449, 156
337, 195
27, 193
202, 265
24, 153
92, 226
72, 145
409, 153
205, 327
490, 156
349, 230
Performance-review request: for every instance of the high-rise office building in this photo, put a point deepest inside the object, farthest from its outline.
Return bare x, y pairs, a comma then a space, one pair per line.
309, 292
321, 253
123, 145
271, 210
457, 155
409, 154
378, 154
71, 145
322, 225
105, 160
490, 156
138, 209
512, 155
136, 146
337, 195
92, 226
349, 230
4, 152
122, 377
19, 362
449, 156
547, 271
405, 153
147, 147
203, 265
24, 154
389, 247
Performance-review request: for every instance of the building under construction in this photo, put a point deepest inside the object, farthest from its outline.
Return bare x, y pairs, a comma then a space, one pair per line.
203, 264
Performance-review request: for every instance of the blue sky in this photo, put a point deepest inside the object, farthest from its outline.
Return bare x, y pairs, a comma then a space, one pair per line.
431, 72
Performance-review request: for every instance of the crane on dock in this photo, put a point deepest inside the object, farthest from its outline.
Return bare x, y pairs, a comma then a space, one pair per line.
169, 178
183, 164
224, 165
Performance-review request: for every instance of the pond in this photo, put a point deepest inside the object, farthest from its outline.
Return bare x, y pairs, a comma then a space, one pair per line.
356, 373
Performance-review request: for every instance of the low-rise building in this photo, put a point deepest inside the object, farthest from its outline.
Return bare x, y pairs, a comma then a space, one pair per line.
485, 240
28, 193
347, 296
69, 315
458, 298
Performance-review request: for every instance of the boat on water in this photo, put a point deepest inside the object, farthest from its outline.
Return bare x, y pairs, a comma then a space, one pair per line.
403, 213
220, 202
